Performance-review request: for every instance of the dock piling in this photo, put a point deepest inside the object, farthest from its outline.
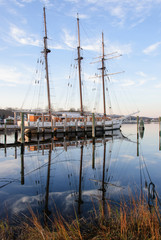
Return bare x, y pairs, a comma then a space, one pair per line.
22, 127
5, 132
93, 125
137, 136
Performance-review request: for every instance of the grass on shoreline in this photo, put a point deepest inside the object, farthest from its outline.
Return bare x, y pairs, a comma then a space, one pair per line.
133, 221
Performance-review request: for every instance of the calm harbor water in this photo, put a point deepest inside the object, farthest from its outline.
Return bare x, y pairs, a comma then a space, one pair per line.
73, 176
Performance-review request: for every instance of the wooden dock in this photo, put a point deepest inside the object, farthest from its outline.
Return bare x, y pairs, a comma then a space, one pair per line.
33, 135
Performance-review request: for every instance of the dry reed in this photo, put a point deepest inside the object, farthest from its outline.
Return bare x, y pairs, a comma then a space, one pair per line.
134, 222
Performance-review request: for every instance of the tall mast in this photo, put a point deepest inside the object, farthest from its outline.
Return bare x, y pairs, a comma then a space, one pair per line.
46, 51
79, 67
103, 75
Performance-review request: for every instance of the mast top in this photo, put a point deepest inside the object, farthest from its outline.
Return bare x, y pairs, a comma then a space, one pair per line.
45, 23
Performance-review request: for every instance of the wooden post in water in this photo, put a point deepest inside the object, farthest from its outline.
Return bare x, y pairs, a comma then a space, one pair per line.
52, 128
38, 129
5, 132
85, 124
65, 124
16, 135
65, 144
93, 125
22, 127
93, 155
15, 118
43, 129
159, 133
76, 125
137, 136
22, 165
15, 152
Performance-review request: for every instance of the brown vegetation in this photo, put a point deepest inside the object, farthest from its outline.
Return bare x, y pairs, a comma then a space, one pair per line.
133, 222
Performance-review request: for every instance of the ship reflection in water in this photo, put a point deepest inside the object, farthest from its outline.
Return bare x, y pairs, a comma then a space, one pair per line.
75, 175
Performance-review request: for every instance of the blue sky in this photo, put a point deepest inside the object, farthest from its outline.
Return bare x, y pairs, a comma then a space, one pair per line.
131, 28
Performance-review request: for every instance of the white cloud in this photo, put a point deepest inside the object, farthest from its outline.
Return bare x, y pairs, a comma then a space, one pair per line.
11, 76
27, 1
91, 45
127, 83
118, 12
124, 10
152, 48
81, 16
142, 74
22, 37
141, 82
94, 44
72, 1
158, 85
18, 3
47, 3
69, 39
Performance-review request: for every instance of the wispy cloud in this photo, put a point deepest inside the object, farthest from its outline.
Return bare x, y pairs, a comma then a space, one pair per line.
158, 85
11, 76
152, 48
27, 1
94, 44
124, 10
127, 83
20, 36
18, 3
142, 74
69, 39
47, 3
72, 1
141, 82
74, 14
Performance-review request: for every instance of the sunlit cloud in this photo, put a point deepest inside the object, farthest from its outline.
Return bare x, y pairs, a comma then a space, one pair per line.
152, 48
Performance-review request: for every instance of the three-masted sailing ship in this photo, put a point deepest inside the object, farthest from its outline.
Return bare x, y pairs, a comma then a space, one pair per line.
69, 120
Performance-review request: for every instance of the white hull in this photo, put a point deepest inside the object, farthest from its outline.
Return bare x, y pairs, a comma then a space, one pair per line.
106, 125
